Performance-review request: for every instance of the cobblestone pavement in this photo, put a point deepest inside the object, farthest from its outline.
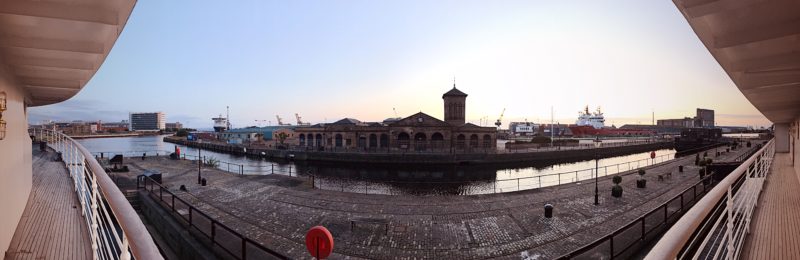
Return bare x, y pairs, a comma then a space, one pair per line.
277, 211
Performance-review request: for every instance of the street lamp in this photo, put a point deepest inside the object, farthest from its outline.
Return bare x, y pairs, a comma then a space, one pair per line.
597, 144
199, 160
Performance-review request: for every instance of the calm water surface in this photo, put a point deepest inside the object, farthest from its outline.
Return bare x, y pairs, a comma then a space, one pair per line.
396, 180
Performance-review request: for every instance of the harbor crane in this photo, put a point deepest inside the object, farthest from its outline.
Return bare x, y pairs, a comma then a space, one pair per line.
299, 120
280, 120
500, 120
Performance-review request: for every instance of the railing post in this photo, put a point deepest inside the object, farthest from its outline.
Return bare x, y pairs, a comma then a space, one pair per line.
729, 224
244, 247
213, 231
94, 217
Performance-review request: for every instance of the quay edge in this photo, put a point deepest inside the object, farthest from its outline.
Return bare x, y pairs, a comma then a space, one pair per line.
520, 158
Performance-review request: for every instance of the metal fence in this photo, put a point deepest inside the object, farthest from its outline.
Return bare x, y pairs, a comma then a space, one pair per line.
220, 235
115, 230
624, 243
498, 186
716, 226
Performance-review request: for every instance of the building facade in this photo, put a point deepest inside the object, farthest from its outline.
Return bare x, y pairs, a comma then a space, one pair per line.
176, 125
153, 121
418, 132
703, 118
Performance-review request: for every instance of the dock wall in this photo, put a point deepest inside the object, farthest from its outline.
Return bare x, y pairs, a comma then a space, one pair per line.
428, 158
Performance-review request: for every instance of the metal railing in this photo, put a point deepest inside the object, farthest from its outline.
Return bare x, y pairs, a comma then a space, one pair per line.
231, 242
502, 185
716, 227
624, 242
115, 230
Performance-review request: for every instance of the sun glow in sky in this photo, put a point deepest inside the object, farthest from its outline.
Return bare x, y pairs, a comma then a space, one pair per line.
327, 60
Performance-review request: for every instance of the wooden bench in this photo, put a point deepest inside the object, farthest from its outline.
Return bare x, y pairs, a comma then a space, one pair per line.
375, 221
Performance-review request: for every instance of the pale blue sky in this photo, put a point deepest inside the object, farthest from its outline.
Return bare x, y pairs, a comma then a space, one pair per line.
332, 59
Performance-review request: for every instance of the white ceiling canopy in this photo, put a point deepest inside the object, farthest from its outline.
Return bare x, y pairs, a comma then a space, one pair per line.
757, 42
53, 47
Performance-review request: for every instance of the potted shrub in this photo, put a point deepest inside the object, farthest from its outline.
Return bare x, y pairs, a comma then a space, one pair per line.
641, 182
616, 191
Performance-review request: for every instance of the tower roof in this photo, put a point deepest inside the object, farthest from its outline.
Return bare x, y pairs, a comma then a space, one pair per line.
454, 93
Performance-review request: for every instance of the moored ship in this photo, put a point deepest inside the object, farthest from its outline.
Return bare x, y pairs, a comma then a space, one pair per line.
220, 124
593, 124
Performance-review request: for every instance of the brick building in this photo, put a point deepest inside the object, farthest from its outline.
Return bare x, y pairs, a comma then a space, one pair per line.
418, 132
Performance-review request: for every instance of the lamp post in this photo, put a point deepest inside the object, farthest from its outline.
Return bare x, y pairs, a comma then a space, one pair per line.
199, 160
596, 169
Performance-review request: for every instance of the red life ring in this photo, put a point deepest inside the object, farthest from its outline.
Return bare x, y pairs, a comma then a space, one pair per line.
319, 242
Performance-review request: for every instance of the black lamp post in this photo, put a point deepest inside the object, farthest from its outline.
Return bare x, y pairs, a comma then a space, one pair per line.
199, 161
596, 169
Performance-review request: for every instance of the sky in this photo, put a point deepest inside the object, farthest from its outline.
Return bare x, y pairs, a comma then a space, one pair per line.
327, 60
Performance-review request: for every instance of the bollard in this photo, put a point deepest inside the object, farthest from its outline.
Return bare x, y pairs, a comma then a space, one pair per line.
183, 187
548, 210
143, 155
203, 181
680, 168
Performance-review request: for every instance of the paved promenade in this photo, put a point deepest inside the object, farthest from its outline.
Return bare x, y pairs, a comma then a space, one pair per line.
277, 211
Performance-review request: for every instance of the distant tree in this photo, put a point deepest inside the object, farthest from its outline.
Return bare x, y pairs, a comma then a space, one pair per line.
182, 133
282, 137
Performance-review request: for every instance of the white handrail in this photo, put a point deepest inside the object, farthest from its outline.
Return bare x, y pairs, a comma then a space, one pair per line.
119, 237
732, 223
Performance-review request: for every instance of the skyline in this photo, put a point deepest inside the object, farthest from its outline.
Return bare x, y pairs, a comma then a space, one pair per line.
362, 59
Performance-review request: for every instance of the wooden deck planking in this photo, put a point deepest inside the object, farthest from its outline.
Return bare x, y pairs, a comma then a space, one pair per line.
775, 226
51, 226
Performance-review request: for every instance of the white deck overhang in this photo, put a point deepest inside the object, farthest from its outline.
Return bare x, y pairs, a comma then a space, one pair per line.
757, 42
54, 47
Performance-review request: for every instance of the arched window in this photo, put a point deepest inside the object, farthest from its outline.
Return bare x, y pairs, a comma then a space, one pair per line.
437, 140
373, 140
473, 141
403, 140
302, 140
460, 141
487, 141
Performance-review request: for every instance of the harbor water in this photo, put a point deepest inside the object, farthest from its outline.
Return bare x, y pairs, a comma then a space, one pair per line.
392, 180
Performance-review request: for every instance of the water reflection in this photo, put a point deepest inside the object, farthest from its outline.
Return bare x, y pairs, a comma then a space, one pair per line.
396, 180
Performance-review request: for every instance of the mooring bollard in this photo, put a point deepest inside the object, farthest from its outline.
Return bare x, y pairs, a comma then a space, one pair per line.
548, 210
204, 182
680, 168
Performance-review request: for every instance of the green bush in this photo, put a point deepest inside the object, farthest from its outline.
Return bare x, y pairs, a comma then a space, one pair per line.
182, 133
211, 162
709, 161
703, 163
641, 172
617, 179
